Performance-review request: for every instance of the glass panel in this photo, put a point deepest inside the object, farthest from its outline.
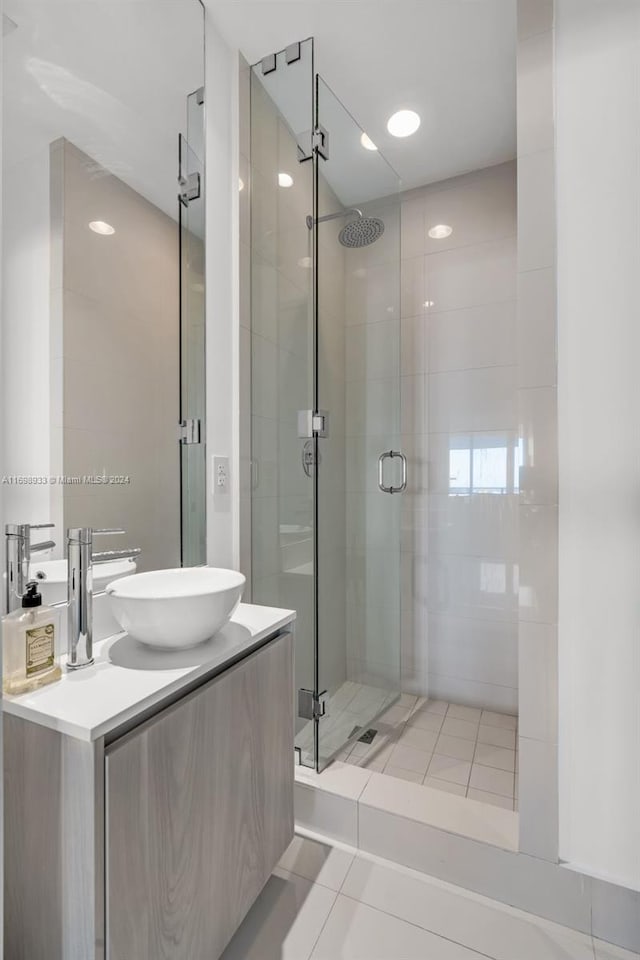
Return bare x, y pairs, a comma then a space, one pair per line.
358, 383
192, 335
282, 353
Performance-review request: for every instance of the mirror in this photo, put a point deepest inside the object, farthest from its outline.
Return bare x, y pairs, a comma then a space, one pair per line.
103, 273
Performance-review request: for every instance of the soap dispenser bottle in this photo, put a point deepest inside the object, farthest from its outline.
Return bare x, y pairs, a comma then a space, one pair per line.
29, 645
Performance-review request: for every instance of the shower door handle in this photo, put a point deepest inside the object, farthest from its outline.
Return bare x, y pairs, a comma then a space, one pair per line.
392, 455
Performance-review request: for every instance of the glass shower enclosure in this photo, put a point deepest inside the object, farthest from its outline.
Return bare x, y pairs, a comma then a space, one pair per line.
191, 209
327, 466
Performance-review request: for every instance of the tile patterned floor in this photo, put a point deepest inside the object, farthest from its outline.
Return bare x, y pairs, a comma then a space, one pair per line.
462, 750
327, 903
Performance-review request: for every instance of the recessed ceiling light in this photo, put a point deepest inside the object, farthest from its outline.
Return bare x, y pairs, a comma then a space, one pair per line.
367, 142
104, 229
403, 123
429, 303
240, 183
441, 231
285, 180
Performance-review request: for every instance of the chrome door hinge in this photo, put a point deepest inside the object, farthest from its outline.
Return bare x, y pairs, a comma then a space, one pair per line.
313, 423
189, 188
190, 431
320, 141
313, 141
311, 707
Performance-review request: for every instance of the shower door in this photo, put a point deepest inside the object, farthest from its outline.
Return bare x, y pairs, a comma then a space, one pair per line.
282, 357
325, 398
360, 472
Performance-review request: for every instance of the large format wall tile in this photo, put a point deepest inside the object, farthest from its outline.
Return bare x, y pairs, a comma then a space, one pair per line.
482, 399
538, 683
480, 336
459, 389
537, 415
536, 211
536, 328
539, 440
479, 208
538, 798
474, 275
539, 564
535, 94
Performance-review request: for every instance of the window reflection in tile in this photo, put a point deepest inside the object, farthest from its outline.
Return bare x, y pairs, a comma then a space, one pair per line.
483, 464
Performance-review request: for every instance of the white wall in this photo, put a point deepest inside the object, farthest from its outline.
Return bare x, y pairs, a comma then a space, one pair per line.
598, 185
222, 285
25, 311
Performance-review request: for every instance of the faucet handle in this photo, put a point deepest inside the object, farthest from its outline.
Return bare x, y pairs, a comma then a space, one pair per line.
42, 547
105, 556
108, 531
42, 526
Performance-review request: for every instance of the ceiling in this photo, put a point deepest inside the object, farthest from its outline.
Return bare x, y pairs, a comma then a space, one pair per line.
453, 61
112, 76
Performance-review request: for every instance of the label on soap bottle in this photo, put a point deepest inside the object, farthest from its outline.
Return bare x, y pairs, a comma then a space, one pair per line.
40, 649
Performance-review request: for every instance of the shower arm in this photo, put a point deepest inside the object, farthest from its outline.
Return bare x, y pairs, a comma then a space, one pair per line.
334, 216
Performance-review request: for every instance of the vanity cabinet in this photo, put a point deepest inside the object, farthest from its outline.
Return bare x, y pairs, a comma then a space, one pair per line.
152, 845
198, 812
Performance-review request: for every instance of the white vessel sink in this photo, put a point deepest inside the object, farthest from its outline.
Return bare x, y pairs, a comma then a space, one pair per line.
174, 609
52, 576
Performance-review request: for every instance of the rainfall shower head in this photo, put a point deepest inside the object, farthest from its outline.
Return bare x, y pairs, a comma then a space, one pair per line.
361, 232
357, 233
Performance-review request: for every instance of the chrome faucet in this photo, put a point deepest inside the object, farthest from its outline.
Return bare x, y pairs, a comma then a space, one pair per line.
80, 590
18, 549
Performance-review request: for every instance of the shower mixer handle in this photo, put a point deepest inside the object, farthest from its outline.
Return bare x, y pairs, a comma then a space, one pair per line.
392, 455
309, 457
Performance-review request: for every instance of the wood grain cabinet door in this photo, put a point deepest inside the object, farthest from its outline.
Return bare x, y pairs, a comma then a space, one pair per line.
199, 808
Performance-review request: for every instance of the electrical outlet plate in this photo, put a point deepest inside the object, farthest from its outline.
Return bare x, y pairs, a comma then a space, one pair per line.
220, 476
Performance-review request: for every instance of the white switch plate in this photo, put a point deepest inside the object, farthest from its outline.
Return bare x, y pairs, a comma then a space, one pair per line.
220, 476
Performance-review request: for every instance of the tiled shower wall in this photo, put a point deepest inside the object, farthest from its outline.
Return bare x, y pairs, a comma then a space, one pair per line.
460, 432
372, 425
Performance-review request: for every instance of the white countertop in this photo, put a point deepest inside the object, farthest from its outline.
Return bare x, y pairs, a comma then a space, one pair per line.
128, 678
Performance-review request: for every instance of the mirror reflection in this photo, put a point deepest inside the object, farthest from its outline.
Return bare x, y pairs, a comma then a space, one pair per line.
103, 266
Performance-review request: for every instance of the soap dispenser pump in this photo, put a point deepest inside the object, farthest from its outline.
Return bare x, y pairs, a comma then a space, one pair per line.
29, 645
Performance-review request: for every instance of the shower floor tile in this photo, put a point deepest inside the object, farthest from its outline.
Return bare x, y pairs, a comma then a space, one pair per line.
351, 708
466, 751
